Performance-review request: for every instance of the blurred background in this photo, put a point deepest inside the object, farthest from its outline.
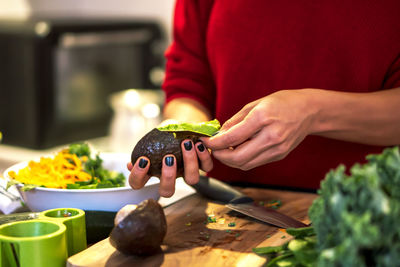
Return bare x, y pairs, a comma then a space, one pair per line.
75, 71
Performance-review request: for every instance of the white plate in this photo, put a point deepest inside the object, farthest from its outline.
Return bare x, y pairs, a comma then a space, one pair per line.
104, 199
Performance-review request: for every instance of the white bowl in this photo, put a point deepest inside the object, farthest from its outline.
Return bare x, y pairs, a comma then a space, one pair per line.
104, 199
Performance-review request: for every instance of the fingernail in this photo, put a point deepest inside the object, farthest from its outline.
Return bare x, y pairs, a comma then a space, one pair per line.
188, 145
143, 163
201, 147
214, 134
169, 161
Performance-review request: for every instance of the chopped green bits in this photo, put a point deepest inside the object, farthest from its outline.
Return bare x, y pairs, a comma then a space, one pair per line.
211, 219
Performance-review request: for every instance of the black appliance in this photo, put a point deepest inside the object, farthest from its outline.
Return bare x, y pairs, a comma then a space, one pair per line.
56, 75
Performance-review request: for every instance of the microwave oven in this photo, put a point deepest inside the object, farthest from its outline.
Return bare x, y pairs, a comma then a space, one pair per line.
56, 76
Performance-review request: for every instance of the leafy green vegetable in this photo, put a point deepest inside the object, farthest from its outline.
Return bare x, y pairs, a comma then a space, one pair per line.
101, 178
207, 128
355, 219
98, 176
79, 149
301, 232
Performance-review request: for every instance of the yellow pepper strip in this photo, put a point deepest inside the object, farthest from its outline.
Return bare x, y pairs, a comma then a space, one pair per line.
57, 172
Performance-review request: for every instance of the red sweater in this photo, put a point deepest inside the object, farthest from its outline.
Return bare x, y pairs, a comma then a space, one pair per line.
227, 53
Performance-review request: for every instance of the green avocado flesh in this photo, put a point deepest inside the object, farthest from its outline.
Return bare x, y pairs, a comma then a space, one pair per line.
207, 128
158, 143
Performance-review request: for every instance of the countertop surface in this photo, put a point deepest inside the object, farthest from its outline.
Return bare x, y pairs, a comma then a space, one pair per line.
191, 241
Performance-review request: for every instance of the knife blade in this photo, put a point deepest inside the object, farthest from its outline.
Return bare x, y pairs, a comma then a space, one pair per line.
235, 200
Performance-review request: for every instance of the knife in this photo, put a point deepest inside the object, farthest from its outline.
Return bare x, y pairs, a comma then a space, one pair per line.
235, 200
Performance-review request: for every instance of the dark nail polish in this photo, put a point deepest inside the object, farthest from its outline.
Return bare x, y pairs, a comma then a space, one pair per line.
169, 161
214, 134
201, 147
143, 163
188, 145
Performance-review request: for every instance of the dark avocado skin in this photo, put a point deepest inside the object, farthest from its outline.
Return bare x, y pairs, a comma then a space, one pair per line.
155, 145
142, 231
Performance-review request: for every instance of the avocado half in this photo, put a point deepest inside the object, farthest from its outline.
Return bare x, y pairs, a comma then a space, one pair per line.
155, 145
167, 140
142, 231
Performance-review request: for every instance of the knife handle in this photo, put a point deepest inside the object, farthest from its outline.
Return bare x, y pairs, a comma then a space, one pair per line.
219, 191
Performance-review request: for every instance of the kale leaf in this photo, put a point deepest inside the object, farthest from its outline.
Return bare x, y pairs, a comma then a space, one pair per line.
357, 217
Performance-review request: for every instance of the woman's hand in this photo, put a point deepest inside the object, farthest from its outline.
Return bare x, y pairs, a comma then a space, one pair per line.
177, 110
265, 130
191, 153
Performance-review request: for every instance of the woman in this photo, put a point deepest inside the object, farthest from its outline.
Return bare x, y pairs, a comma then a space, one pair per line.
301, 86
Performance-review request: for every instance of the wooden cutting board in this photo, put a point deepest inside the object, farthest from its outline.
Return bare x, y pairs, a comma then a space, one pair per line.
191, 241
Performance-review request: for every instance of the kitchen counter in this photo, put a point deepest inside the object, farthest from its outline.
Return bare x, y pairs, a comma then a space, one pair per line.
190, 241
